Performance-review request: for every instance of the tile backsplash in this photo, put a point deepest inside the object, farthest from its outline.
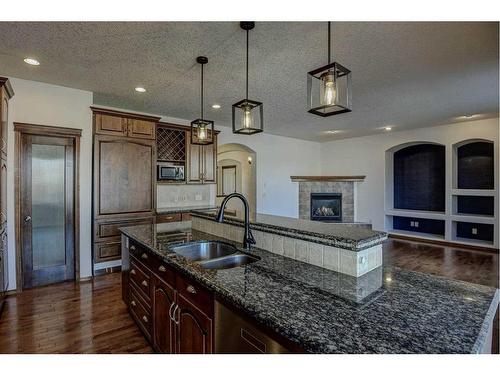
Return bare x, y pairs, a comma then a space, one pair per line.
184, 195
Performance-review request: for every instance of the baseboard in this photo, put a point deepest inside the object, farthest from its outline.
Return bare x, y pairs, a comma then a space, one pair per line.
105, 271
444, 243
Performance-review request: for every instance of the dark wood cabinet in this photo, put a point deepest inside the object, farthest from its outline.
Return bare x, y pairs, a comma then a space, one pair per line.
174, 312
6, 93
194, 329
124, 177
163, 325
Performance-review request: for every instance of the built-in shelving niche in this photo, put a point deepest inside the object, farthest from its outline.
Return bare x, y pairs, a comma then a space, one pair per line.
463, 211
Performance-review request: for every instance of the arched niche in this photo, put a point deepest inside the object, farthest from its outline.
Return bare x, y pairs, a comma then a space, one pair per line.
416, 176
474, 164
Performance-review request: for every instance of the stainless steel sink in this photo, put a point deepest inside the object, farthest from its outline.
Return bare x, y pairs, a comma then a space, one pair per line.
229, 261
199, 251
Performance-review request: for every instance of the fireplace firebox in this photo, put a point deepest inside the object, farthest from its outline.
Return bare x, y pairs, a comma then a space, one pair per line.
326, 206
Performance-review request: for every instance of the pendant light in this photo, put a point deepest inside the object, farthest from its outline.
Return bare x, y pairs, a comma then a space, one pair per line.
329, 87
202, 130
248, 115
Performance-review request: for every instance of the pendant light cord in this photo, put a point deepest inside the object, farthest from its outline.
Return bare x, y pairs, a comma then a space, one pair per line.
329, 43
247, 70
202, 91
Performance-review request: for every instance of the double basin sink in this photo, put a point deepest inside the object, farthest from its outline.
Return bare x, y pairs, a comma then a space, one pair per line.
214, 254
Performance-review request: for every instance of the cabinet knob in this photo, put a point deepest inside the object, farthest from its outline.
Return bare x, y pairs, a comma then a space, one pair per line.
146, 320
144, 256
144, 283
170, 217
162, 269
132, 271
191, 289
133, 303
132, 247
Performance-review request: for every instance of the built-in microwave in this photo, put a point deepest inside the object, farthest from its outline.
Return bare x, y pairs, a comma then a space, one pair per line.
170, 172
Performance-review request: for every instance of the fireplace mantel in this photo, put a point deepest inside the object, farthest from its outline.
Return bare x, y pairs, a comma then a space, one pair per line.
326, 178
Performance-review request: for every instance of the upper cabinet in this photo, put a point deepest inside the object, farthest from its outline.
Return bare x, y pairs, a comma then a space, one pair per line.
174, 145
202, 163
120, 124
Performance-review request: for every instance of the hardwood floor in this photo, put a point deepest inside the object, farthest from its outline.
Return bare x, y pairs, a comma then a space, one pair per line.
475, 266
90, 317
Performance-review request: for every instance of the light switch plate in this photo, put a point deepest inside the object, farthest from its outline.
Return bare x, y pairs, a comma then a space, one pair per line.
474, 230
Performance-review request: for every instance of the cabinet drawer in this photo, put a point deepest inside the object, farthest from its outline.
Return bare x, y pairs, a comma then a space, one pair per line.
108, 230
140, 312
105, 251
196, 294
142, 255
168, 218
186, 216
141, 280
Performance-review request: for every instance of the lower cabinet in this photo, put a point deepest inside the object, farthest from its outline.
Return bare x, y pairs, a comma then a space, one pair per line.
163, 324
174, 313
194, 329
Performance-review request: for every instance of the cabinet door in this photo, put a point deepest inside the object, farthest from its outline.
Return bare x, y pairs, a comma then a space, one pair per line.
110, 125
123, 176
209, 162
194, 329
163, 326
194, 163
141, 129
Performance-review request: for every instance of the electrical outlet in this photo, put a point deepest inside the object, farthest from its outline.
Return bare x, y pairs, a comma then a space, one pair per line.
474, 230
412, 223
416, 224
198, 197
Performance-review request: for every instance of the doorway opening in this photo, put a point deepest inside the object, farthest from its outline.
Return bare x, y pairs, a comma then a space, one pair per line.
237, 173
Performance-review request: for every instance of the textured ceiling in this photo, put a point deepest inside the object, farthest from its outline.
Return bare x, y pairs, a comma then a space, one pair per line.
405, 75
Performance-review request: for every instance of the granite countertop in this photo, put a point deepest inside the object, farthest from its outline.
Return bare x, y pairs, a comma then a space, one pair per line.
326, 312
174, 210
350, 236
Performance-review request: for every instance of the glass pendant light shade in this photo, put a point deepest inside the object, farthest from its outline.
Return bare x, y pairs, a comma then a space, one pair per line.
202, 131
329, 88
248, 115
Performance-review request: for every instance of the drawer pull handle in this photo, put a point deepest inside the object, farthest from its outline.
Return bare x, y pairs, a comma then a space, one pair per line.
145, 283
132, 272
144, 256
132, 247
170, 312
133, 303
162, 269
146, 320
191, 289
170, 217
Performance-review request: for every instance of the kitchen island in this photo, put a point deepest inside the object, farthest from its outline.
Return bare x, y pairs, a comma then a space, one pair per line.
308, 308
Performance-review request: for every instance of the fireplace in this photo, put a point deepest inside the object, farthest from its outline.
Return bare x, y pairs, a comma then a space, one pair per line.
326, 206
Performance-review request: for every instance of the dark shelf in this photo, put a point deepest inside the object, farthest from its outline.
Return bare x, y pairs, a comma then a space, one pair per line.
429, 226
475, 166
475, 205
419, 178
484, 232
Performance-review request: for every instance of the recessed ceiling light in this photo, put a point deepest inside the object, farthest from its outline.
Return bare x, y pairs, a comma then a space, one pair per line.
216, 106
469, 116
387, 128
30, 61
332, 131
140, 89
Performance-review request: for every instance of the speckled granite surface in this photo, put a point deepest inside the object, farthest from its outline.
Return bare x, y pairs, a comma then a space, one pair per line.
174, 210
350, 236
404, 312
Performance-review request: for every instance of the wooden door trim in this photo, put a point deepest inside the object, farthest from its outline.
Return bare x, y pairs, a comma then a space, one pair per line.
21, 129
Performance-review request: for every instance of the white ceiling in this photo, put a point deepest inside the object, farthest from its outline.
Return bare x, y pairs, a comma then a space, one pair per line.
405, 75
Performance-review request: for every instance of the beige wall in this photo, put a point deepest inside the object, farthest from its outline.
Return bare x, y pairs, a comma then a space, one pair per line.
43, 104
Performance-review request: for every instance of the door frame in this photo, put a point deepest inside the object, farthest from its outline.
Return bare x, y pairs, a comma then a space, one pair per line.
21, 129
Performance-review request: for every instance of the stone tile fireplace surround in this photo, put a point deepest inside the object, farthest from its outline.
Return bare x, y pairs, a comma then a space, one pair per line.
346, 188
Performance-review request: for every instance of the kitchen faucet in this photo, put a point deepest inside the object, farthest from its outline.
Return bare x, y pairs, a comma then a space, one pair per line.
248, 239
